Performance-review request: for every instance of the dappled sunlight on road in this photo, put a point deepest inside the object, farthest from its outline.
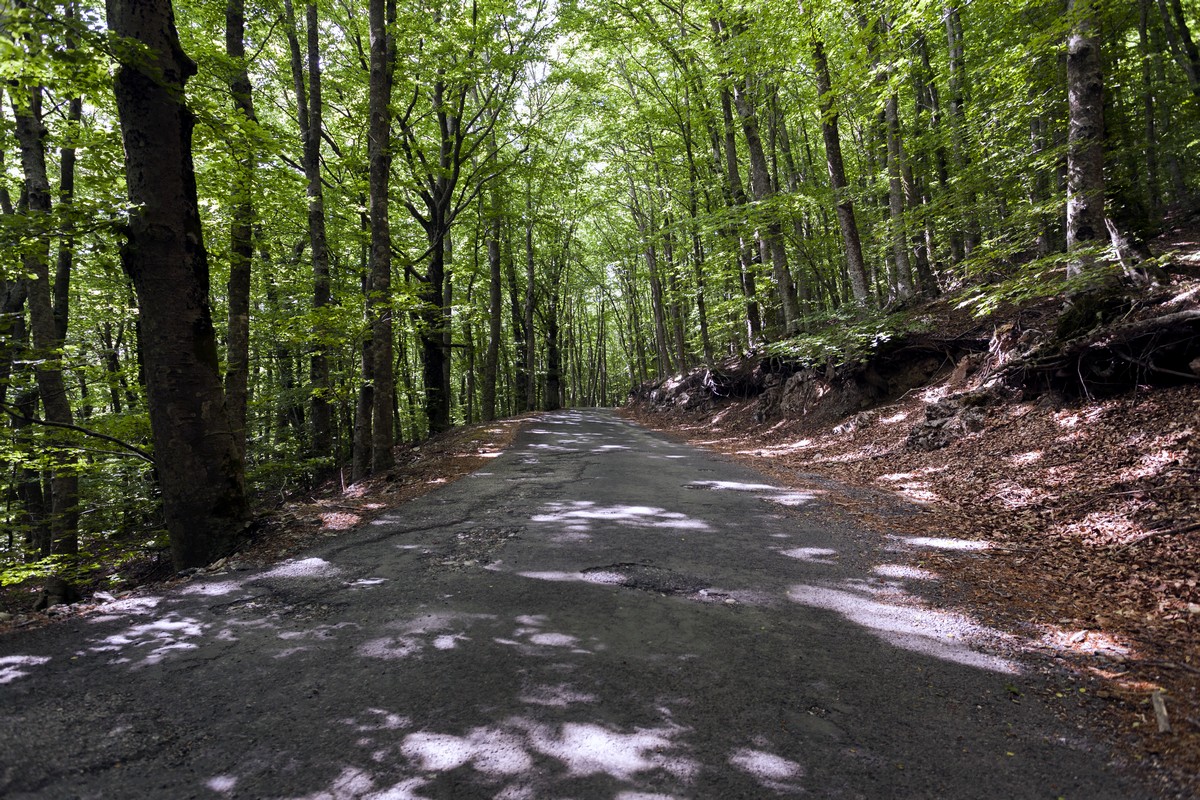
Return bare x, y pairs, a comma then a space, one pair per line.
938, 543
147, 644
581, 514
532, 639
211, 588
591, 622
813, 555
519, 758
11, 667
772, 771
764, 491
441, 631
302, 568
897, 618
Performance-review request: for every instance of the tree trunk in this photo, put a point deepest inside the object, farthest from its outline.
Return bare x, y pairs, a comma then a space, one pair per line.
433, 350
491, 362
961, 239
530, 344
364, 407
1182, 45
674, 306
66, 198
1085, 137
1153, 187
241, 225
737, 200
762, 188
64, 484
199, 464
308, 115
520, 365
447, 326
379, 302
553, 399
844, 204
903, 288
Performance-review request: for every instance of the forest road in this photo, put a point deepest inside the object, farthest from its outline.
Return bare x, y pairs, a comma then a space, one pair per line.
599, 613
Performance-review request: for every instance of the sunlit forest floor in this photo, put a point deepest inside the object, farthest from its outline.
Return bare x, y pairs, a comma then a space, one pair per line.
1090, 511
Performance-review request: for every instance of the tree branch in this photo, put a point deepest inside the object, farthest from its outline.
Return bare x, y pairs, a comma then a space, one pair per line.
15, 413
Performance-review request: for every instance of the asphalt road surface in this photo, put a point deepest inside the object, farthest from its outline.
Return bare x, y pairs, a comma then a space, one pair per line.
599, 613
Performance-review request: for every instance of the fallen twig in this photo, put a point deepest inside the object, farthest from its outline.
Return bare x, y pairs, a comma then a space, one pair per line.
1160, 711
1170, 665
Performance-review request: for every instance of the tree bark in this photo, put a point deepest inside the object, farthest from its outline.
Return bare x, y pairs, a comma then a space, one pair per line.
381, 14
844, 204
1153, 186
520, 365
903, 288
241, 225
737, 200
364, 407
308, 115
43, 328
553, 399
491, 361
200, 467
762, 188
961, 237
1085, 137
530, 344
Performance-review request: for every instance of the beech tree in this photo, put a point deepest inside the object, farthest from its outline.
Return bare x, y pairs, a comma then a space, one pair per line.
197, 458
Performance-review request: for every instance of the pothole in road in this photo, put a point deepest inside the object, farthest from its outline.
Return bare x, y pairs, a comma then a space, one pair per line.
649, 578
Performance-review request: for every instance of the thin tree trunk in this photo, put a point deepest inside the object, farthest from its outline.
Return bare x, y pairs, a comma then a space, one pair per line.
1179, 37
674, 306
1085, 140
308, 115
447, 325
491, 360
762, 188
737, 201
66, 199
553, 399
530, 294
844, 204
1039, 185
961, 239
520, 366
364, 408
241, 225
199, 465
64, 484
1153, 187
895, 154
379, 302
